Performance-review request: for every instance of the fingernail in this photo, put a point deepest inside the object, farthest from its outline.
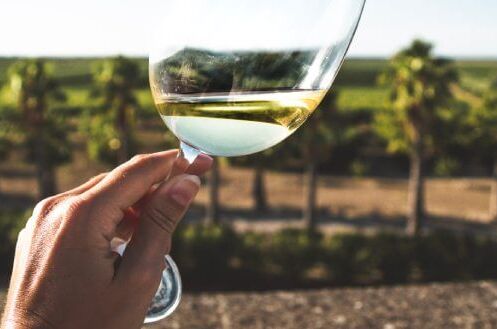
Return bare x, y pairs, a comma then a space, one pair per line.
181, 163
205, 157
185, 189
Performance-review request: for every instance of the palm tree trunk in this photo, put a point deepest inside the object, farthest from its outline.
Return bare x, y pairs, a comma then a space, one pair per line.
415, 201
124, 152
259, 189
310, 197
44, 171
212, 215
493, 193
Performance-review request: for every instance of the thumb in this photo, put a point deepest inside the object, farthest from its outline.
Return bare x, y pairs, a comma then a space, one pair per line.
159, 217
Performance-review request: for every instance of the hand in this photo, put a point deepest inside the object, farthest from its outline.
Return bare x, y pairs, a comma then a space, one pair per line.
66, 275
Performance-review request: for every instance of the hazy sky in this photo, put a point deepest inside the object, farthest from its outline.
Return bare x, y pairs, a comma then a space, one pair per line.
105, 27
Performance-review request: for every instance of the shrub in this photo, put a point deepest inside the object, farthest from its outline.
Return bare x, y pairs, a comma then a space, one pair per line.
392, 257
11, 222
205, 252
251, 256
215, 256
349, 258
446, 167
442, 256
292, 252
483, 259
359, 168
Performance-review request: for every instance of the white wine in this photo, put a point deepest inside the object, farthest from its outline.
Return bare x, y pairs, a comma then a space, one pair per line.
238, 123
234, 124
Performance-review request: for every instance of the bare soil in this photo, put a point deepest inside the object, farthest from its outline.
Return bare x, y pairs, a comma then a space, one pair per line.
345, 203
469, 305
433, 306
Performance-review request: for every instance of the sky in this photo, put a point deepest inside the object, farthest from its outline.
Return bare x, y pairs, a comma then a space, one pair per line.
459, 28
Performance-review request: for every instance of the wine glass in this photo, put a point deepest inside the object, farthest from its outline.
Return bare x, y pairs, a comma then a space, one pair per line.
232, 78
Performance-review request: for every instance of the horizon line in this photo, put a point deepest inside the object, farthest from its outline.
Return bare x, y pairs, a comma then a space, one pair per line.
142, 56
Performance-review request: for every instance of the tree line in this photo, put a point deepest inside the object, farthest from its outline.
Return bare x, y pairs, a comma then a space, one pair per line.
423, 119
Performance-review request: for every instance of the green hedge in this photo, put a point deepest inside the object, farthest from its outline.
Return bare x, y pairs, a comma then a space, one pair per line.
11, 222
218, 258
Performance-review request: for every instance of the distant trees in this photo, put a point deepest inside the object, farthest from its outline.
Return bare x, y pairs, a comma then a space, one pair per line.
424, 120
110, 132
420, 85
43, 132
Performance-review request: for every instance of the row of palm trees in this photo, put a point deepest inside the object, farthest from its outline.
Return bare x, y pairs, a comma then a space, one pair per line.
424, 118
421, 92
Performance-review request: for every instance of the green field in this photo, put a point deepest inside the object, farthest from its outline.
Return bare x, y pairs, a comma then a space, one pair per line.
477, 76
352, 97
356, 83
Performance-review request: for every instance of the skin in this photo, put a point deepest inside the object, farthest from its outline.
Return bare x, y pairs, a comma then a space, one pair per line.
65, 273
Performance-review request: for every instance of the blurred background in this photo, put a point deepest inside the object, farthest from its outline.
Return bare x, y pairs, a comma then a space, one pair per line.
392, 181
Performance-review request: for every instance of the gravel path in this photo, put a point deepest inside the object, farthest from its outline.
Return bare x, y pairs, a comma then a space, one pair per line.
471, 305
468, 305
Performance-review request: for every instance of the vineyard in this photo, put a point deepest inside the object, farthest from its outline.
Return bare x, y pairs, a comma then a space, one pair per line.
362, 167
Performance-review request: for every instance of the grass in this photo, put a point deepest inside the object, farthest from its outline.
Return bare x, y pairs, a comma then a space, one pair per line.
362, 97
477, 76
78, 96
360, 72
356, 81
145, 98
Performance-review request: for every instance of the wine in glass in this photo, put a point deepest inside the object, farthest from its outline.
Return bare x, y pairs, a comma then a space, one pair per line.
232, 78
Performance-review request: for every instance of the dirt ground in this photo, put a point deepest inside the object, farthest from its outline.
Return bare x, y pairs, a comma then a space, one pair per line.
344, 202
435, 306
471, 305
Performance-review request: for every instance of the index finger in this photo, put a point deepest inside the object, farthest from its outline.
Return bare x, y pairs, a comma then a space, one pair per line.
128, 183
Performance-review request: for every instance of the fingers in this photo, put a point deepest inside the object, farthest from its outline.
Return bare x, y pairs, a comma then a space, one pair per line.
44, 206
152, 238
128, 183
85, 186
200, 166
180, 166
127, 226
131, 216
129, 222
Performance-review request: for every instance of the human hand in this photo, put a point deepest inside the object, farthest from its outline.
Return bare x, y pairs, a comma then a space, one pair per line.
66, 275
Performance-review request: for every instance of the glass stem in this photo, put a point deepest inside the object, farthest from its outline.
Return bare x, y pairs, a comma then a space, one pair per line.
188, 152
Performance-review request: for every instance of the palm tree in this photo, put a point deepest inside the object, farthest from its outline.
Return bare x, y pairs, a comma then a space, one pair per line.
315, 142
259, 186
484, 127
110, 131
493, 193
33, 88
5, 144
259, 162
420, 84
212, 213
